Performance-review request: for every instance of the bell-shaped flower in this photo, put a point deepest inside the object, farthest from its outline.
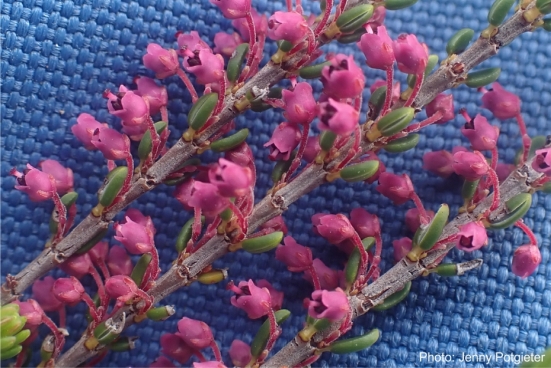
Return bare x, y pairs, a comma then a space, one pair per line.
334, 228
206, 66
338, 117
332, 305
300, 105
439, 163
365, 223
472, 236
502, 103
312, 149
196, 334
154, 95
78, 265
481, 134
188, 43
174, 347
296, 257
470, 165
230, 179
162, 62
113, 145
42, 293
206, 197
343, 78
285, 139
526, 259
377, 48
233, 9
35, 183
260, 24
275, 295
68, 290
84, 129
240, 353
119, 262
63, 176
411, 55
136, 238
329, 278
288, 26
255, 301
444, 104
225, 43
542, 161
397, 188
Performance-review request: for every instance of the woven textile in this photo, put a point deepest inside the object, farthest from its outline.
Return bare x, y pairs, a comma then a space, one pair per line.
58, 57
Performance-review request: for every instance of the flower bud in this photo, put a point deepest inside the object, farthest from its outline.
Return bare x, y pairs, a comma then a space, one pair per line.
444, 104
439, 163
411, 55
120, 286
240, 353
233, 9
196, 334
526, 259
163, 63
136, 238
377, 49
502, 103
288, 26
300, 105
396, 188
472, 166
296, 257
173, 346
364, 223
334, 228
68, 290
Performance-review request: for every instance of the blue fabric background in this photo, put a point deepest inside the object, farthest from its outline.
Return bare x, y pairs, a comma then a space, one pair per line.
58, 57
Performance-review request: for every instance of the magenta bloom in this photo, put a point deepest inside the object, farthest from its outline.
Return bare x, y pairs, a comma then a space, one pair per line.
471, 166
136, 238
135, 215
275, 295
118, 261
411, 55
338, 117
300, 105
377, 49
276, 223
35, 183
154, 95
206, 197
542, 161
206, 66
113, 145
502, 103
255, 301
240, 353
42, 292
334, 228
397, 188
504, 170
481, 134
296, 257
190, 42
174, 346
209, 364
285, 139
132, 109
84, 129
365, 223
328, 277
260, 23
413, 219
332, 305
233, 9
378, 17
99, 252
288, 26
162, 361
162, 62
444, 104
68, 290
231, 179
120, 286
63, 176
225, 43
526, 259
78, 265
32, 311
439, 163
402, 247
312, 149
343, 78
472, 236
196, 334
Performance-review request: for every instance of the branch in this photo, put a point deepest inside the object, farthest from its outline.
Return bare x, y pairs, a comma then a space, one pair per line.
297, 350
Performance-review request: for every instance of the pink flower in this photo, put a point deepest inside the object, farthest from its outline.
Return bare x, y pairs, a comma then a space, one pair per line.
377, 49
285, 139
413, 219
410, 54
190, 42
162, 62
162, 362
402, 247
63, 176
183, 193
243, 156
472, 166
113, 145
225, 43
343, 78
275, 295
439, 163
78, 265
255, 301
240, 353
472, 236
84, 129
233, 9
480, 133
338, 117
35, 183
296, 257
68, 290
120, 286
276, 223
312, 149
154, 95
174, 346
119, 262
132, 109
502, 103
332, 305
206, 66
542, 161
42, 292
135, 215
260, 24
397, 188
365, 223
526, 259
209, 364
378, 17
196, 334
231, 179
334, 228
300, 105
136, 238
444, 104
206, 197
32, 311
288, 26
99, 252
328, 277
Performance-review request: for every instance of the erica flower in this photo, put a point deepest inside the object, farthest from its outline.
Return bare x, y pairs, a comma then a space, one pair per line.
410, 54
332, 305
397, 188
233, 9
525, 260
195, 333
439, 163
472, 236
343, 78
154, 95
288, 26
113, 145
444, 104
162, 62
84, 129
136, 238
285, 139
35, 183
334, 228
300, 105
225, 43
338, 117
206, 66
472, 166
502, 103
255, 301
401, 247
481, 134
296, 257
365, 223
377, 48
230, 179
542, 161
63, 176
